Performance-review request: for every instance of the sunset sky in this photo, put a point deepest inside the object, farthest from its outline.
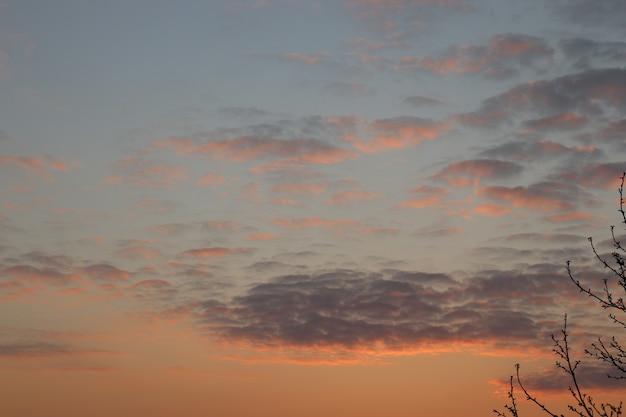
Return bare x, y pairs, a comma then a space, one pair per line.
293, 208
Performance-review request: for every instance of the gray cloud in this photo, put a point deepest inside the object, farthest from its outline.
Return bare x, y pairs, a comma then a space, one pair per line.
592, 13
419, 101
501, 58
586, 52
352, 310
587, 93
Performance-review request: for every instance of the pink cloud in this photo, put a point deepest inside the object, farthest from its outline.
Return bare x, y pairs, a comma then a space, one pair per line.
599, 175
398, 133
307, 59
309, 222
213, 180
263, 236
284, 202
221, 225
38, 166
472, 172
543, 197
498, 59
348, 196
428, 197
315, 188
492, 210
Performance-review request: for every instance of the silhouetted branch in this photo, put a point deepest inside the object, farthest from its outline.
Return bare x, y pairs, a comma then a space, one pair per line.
611, 353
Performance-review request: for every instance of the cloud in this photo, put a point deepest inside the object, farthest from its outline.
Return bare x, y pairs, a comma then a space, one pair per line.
143, 172
499, 59
585, 92
472, 172
315, 188
337, 226
590, 13
599, 175
244, 113
538, 150
263, 236
214, 252
23, 280
428, 197
398, 133
616, 130
285, 153
307, 59
170, 229
491, 210
21, 350
568, 217
29, 275
451, 231
221, 225
105, 273
152, 289
349, 89
590, 376
419, 101
388, 312
348, 196
37, 166
544, 197
585, 52
563, 121
560, 238
214, 180
139, 252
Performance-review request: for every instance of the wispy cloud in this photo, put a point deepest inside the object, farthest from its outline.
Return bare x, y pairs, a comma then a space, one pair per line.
143, 172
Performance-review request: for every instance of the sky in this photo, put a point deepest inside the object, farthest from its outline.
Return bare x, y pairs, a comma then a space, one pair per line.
302, 208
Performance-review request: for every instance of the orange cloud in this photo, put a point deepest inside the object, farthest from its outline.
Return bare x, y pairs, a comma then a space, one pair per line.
204, 253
